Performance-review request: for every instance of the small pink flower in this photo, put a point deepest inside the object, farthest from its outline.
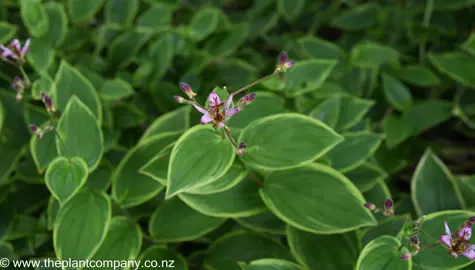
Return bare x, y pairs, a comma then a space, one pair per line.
369, 206
214, 114
179, 99
15, 51
187, 90
459, 245
247, 99
283, 63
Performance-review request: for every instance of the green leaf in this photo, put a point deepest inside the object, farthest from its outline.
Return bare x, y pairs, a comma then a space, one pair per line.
7, 32
359, 18
433, 186
10, 157
290, 9
244, 247
264, 222
100, 179
328, 111
366, 176
469, 44
373, 55
242, 200
226, 43
307, 248
65, 177
174, 121
70, 82
418, 75
438, 257
76, 124
174, 221
162, 52
204, 23
264, 104
128, 234
396, 93
132, 193
34, 17
467, 188
44, 84
307, 75
85, 217
272, 264
83, 10
124, 47
322, 49
121, 12
310, 205
156, 17
271, 146
383, 252
2, 116
116, 89
352, 111
354, 150
456, 65
40, 55
232, 177
201, 155
167, 258
43, 151
57, 24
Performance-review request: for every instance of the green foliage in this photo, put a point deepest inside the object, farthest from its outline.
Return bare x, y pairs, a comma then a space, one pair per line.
375, 100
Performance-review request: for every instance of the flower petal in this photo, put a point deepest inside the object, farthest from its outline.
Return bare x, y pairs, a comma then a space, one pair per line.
221, 125
447, 230
16, 45
228, 102
469, 252
282, 58
25, 48
205, 119
7, 52
231, 112
454, 254
446, 240
465, 233
201, 110
213, 99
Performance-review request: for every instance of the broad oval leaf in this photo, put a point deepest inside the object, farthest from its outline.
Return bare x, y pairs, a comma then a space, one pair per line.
7, 31
75, 125
70, 82
232, 177
396, 93
359, 18
272, 264
34, 17
324, 201
433, 226
265, 222
290, 9
204, 22
43, 151
456, 65
418, 75
175, 121
93, 210
57, 24
83, 10
354, 150
121, 12
128, 234
383, 253
433, 187
352, 111
132, 193
199, 157
309, 250
366, 176
241, 200
65, 177
174, 221
328, 111
308, 75
270, 145
116, 89
373, 55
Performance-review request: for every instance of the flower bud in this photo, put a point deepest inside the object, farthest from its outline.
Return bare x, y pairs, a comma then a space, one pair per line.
240, 153
471, 220
179, 99
187, 90
282, 58
34, 128
415, 240
388, 204
242, 145
48, 102
405, 256
247, 99
370, 206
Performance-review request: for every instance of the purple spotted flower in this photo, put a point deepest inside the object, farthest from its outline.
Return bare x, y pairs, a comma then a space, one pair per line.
214, 115
460, 245
284, 64
14, 50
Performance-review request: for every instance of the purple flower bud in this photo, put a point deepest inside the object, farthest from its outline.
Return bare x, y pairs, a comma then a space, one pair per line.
47, 100
187, 90
34, 128
240, 153
388, 204
289, 64
39, 136
415, 240
405, 257
370, 206
179, 99
471, 220
247, 99
282, 58
242, 145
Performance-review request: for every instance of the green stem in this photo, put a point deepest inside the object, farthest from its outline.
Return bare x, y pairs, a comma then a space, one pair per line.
256, 82
25, 77
62, 143
426, 21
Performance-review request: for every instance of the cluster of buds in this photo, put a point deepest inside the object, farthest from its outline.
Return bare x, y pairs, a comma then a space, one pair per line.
388, 208
39, 133
219, 116
415, 245
14, 52
19, 86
